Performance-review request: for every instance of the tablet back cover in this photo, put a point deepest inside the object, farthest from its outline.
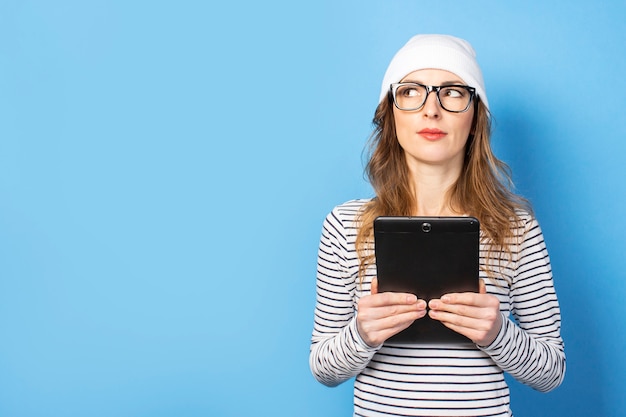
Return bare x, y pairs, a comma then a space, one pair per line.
429, 257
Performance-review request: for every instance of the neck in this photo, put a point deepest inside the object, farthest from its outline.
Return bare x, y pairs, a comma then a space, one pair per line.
431, 187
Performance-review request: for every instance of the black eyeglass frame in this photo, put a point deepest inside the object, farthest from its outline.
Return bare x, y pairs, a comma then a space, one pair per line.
393, 88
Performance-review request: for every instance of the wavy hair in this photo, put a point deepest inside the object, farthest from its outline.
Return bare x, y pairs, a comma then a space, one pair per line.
483, 189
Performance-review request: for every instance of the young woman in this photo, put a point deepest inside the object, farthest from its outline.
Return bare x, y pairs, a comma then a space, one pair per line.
431, 156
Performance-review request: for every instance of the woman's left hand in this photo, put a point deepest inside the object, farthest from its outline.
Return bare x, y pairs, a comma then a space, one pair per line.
474, 315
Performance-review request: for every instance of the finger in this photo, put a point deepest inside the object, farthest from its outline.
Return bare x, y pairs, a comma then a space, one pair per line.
452, 312
385, 299
448, 317
468, 298
374, 285
376, 332
457, 322
462, 298
370, 310
371, 313
479, 331
485, 307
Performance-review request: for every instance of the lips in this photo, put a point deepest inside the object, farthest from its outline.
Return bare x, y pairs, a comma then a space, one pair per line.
432, 134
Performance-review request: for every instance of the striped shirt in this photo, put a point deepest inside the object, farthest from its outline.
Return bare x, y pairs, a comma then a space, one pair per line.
446, 380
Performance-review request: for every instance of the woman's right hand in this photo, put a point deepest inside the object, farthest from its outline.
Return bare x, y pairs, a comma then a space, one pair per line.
381, 315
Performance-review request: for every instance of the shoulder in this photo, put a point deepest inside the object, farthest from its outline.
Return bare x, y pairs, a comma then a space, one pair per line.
527, 219
523, 221
350, 209
526, 227
343, 219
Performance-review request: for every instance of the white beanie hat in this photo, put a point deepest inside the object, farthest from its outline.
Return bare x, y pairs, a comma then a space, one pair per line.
442, 52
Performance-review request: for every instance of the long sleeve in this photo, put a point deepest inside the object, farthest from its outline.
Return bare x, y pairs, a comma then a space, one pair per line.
337, 351
445, 379
531, 350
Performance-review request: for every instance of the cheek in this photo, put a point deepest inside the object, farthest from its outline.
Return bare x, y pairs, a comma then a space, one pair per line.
403, 125
464, 128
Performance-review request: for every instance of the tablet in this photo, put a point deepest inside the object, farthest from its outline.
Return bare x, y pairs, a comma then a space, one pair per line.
429, 257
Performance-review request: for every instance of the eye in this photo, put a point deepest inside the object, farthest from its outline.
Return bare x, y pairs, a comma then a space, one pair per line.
409, 91
454, 92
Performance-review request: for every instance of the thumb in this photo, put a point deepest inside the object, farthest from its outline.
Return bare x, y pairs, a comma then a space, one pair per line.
374, 286
482, 288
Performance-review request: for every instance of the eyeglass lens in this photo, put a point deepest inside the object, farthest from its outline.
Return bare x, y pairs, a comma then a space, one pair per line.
413, 97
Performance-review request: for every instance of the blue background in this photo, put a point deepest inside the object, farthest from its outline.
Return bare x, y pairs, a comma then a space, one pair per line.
165, 168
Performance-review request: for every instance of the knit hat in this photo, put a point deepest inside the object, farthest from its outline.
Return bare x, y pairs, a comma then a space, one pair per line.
443, 52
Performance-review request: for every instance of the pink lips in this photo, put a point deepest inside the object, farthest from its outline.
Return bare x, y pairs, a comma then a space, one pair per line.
432, 134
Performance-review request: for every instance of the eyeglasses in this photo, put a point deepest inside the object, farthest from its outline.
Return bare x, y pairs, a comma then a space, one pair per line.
452, 98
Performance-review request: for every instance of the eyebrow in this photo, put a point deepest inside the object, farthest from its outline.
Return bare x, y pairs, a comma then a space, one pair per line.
443, 84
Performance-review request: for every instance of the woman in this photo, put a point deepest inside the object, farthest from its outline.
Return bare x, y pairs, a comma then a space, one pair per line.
431, 156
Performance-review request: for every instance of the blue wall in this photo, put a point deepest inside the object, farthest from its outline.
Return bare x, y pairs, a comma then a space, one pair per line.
165, 168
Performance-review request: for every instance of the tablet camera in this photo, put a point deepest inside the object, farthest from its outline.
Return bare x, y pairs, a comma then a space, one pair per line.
426, 227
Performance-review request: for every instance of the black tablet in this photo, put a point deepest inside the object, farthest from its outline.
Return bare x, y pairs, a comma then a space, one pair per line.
429, 257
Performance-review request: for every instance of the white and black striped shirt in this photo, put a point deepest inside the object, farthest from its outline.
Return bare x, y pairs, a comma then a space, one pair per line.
446, 380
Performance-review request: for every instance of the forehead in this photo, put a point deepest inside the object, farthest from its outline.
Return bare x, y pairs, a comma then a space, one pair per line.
433, 77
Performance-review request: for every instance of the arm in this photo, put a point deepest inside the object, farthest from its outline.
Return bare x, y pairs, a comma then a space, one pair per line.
532, 351
337, 350
343, 341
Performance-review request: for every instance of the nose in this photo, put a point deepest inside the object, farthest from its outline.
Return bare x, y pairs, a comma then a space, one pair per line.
431, 108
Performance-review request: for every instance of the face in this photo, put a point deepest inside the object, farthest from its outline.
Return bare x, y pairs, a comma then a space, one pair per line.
431, 135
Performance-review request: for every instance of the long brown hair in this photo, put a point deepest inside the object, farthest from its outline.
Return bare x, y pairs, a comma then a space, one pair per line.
483, 190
